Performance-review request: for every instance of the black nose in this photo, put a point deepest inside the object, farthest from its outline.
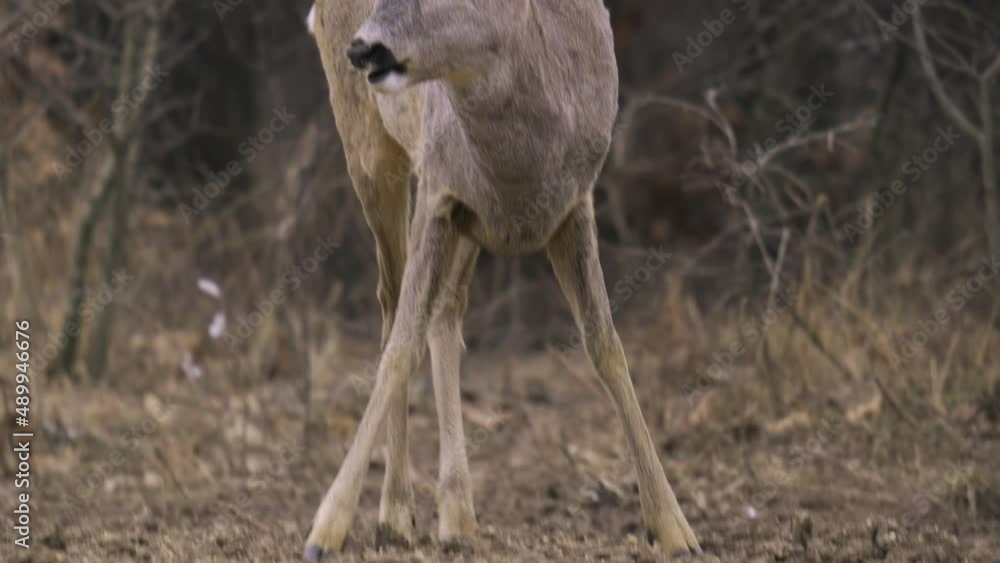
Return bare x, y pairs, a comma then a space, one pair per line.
359, 54
378, 57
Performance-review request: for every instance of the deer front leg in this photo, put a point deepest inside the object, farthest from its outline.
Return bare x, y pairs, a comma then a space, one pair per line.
397, 506
434, 250
573, 253
380, 170
384, 196
456, 513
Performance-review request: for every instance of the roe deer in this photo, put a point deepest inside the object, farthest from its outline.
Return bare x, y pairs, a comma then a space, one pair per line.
504, 111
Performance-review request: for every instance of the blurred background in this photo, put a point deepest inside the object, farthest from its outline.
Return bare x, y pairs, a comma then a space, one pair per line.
799, 223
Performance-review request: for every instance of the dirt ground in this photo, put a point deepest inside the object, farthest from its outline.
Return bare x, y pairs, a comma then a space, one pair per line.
187, 470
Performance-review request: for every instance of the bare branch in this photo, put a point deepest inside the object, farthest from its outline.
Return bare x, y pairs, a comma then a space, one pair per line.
795, 142
937, 87
992, 71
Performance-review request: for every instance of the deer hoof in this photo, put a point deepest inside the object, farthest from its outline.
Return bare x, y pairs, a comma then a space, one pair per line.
459, 545
386, 536
315, 553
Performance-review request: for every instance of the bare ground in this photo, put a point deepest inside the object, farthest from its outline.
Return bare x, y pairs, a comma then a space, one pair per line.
211, 477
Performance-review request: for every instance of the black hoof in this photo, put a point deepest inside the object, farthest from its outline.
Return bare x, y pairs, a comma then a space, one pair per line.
458, 546
678, 554
385, 537
316, 553
685, 553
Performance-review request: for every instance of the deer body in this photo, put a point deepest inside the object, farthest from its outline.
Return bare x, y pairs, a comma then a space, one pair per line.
494, 137
504, 110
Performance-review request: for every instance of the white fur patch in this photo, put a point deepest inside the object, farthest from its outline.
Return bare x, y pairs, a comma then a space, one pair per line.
393, 83
311, 19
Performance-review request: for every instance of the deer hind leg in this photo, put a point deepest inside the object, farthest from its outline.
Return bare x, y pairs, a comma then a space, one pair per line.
573, 254
456, 513
433, 251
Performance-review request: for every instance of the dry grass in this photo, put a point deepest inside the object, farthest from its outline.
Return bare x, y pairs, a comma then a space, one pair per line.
813, 443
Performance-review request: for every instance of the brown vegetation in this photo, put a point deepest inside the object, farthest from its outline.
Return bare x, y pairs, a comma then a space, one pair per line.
818, 359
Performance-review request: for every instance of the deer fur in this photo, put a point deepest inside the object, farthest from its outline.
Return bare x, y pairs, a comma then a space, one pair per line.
503, 110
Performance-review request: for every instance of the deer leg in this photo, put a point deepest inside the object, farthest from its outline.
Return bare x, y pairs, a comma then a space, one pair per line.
574, 257
456, 513
433, 251
380, 171
384, 196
